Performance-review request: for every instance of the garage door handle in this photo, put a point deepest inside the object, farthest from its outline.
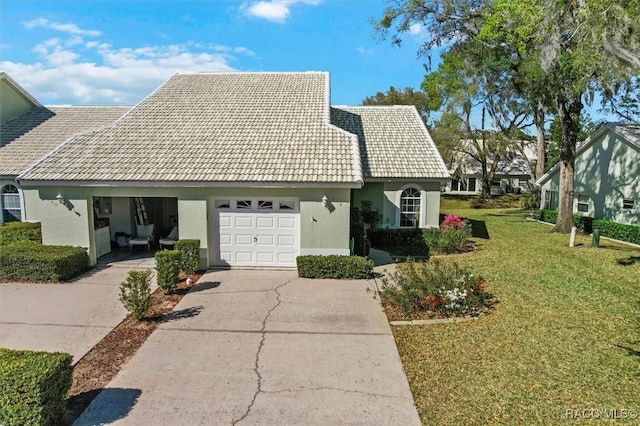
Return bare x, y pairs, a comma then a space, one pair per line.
255, 239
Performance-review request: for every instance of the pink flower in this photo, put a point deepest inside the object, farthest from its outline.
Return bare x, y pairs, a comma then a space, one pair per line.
452, 221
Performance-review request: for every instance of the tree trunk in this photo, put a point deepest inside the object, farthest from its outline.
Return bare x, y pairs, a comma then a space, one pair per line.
541, 151
569, 113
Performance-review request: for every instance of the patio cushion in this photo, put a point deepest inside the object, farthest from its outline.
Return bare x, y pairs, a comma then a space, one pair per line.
144, 231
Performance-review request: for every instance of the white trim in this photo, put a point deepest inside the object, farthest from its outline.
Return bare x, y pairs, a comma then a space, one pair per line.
325, 252
189, 184
423, 205
7, 182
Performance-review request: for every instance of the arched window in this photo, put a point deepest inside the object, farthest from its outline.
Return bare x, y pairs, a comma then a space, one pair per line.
409, 207
11, 204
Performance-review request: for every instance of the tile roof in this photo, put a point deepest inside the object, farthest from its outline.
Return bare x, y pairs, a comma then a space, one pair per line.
216, 127
35, 133
394, 141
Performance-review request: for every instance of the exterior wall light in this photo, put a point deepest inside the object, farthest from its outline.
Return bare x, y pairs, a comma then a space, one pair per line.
324, 201
60, 198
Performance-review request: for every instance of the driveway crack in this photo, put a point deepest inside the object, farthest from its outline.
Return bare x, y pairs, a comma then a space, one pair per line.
256, 367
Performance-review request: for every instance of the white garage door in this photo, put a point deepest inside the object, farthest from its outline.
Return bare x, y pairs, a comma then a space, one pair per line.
257, 231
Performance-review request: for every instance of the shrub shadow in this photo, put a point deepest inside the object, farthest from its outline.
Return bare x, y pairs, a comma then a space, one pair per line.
110, 405
183, 313
628, 261
207, 285
479, 229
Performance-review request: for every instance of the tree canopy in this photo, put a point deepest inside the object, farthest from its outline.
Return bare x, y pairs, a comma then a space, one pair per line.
529, 57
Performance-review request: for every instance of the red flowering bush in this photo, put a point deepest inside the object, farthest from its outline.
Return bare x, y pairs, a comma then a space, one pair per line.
437, 289
452, 237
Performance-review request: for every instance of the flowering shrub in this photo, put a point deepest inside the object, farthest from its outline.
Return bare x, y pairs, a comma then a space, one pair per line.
452, 237
435, 289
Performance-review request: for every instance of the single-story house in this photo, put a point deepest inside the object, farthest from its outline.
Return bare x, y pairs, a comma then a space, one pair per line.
29, 131
512, 175
607, 176
258, 166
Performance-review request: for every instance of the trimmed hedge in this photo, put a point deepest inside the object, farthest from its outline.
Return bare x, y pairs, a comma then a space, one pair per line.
400, 242
20, 231
618, 231
168, 267
29, 261
33, 387
334, 266
135, 292
190, 249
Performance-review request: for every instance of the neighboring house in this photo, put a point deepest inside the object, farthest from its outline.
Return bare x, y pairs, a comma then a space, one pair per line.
257, 166
513, 173
29, 131
607, 176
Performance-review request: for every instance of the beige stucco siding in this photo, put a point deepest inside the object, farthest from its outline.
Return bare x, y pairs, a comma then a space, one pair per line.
322, 229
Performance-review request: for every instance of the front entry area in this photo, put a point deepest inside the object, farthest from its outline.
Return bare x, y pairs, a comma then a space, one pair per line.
255, 232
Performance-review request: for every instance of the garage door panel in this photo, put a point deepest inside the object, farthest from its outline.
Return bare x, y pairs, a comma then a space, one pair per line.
265, 240
244, 221
286, 258
257, 237
286, 222
244, 257
266, 258
286, 240
265, 222
244, 239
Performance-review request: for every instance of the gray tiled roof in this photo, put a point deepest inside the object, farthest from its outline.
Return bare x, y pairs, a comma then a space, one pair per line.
35, 133
216, 127
394, 141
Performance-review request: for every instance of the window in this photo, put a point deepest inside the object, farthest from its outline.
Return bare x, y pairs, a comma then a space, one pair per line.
287, 205
223, 204
550, 200
265, 205
243, 204
472, 184
11, 211
583, 203
627, 204
409, 207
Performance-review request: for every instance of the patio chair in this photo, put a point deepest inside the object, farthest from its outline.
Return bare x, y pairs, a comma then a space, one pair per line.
170, 240
144, 236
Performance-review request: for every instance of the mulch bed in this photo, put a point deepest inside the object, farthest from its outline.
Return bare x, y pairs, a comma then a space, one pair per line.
101, 364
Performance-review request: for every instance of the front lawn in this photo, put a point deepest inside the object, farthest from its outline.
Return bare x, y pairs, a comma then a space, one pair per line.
565, 334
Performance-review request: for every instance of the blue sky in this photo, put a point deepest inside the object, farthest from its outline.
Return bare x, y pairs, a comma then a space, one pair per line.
98, 52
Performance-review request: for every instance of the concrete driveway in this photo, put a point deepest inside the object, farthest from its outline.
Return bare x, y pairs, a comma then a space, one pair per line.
264, 348
69, 317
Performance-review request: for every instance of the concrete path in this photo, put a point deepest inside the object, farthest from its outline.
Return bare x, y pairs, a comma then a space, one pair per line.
69, 317
264, 348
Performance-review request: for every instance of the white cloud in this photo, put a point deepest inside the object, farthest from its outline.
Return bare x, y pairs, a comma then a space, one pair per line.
65, 28
274, 10
99, 73
364, 51
415, 29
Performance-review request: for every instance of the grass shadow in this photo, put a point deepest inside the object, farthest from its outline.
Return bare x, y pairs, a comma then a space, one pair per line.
207, 285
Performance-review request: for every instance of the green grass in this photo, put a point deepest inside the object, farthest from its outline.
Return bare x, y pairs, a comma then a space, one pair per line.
565, 333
